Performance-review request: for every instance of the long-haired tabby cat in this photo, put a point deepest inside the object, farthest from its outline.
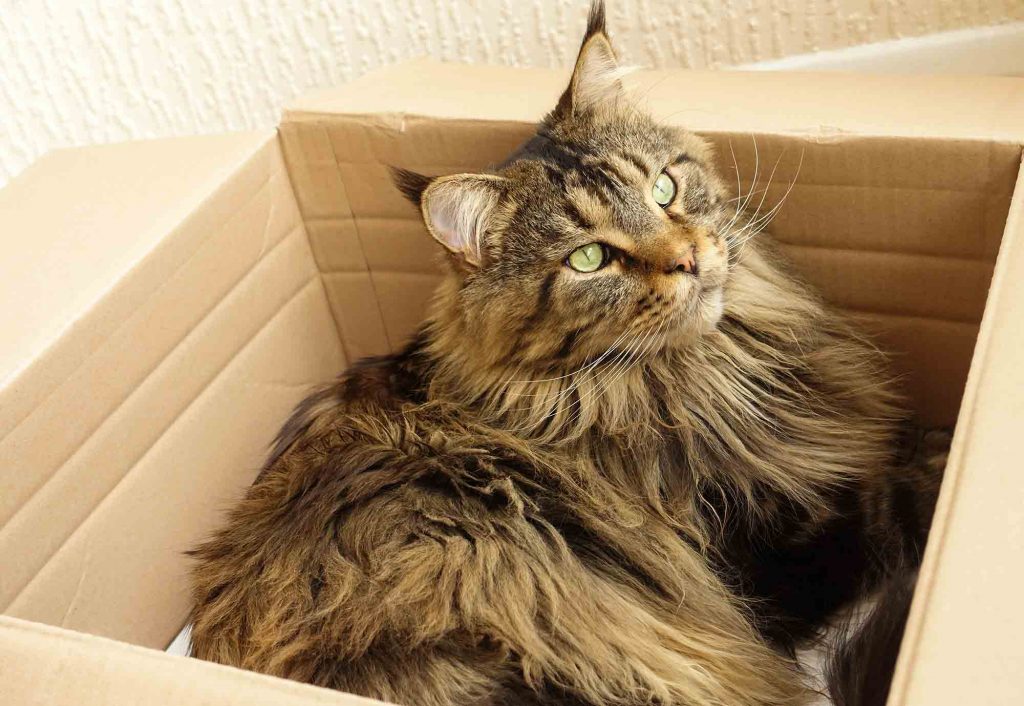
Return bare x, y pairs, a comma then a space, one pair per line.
626, 460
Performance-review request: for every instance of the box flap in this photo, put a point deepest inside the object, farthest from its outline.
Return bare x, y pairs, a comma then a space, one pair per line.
45, 665
963, 641
63, 248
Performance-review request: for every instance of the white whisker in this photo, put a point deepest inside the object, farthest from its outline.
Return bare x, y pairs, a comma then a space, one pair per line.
648, 342
739, 188
756, 224
757, 174
560, 396
575, 372
620, 360
764, 191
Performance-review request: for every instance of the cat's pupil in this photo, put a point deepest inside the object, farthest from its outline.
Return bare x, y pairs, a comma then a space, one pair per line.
664, 189
588, 258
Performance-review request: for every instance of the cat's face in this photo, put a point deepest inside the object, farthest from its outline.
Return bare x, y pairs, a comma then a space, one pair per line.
601, 236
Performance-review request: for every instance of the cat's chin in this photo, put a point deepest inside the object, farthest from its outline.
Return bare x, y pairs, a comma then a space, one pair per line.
701, 319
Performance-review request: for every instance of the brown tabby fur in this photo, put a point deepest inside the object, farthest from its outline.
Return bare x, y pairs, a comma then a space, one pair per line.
640, 485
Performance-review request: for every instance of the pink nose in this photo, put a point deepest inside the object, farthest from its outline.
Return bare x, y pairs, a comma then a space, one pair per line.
687, 262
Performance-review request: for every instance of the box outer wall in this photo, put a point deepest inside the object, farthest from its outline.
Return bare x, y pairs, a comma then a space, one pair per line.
353, 262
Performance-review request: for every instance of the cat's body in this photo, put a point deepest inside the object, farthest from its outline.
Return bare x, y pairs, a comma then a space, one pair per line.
522, 508
402, 548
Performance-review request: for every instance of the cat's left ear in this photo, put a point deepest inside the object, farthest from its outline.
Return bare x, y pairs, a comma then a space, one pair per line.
458, 209
597, 76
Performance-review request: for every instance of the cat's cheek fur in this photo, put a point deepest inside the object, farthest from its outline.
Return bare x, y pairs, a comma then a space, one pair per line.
712, 305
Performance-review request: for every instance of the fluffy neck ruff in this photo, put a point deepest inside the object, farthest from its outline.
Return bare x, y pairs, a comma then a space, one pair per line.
782, 397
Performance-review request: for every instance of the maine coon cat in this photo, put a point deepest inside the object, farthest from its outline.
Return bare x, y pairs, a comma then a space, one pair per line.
629, 458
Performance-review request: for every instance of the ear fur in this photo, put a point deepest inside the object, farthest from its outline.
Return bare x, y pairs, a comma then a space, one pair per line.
458, 210
411, 184
596, 77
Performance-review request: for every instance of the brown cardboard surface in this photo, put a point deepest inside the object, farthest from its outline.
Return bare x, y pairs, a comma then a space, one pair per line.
203, 340
962, 644
169, 301
53, 667
106, 299
898, 226
52, 239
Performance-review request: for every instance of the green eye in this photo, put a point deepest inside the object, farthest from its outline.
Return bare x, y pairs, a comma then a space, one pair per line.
589, 258
664, 190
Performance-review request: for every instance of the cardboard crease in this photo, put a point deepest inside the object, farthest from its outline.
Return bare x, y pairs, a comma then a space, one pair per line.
13, 603
362, 249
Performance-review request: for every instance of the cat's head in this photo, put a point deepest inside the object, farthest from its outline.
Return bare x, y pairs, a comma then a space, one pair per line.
602, 234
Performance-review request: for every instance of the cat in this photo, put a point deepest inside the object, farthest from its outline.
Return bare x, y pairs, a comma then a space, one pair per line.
629, 458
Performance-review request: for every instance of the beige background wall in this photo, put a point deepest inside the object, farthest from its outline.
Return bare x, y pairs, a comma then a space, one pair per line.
84, 71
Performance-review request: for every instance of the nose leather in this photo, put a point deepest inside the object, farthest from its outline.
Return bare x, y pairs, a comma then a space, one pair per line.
686, 262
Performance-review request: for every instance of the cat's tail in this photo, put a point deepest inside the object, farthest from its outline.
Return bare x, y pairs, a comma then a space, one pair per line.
863, 658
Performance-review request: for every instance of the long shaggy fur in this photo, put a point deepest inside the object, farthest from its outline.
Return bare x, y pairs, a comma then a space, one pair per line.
864, 658
635, 486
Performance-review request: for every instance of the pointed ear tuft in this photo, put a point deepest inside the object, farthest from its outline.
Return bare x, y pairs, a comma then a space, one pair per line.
595, 20
596, 78
411, 184
458, 210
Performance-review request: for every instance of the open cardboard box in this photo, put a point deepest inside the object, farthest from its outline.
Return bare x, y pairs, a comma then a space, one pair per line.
166, 303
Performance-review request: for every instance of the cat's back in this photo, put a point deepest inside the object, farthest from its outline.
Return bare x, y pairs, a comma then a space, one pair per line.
379, 386
362, 456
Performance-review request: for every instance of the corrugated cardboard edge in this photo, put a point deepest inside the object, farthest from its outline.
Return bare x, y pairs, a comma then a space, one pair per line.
985, 368
40, 664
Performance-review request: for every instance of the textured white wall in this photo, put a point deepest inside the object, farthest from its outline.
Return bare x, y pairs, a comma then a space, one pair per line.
84, 71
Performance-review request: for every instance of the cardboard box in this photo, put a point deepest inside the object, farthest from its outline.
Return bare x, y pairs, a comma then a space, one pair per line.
166, 303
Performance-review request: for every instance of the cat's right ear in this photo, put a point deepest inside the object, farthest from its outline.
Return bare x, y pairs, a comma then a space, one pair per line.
457, 209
